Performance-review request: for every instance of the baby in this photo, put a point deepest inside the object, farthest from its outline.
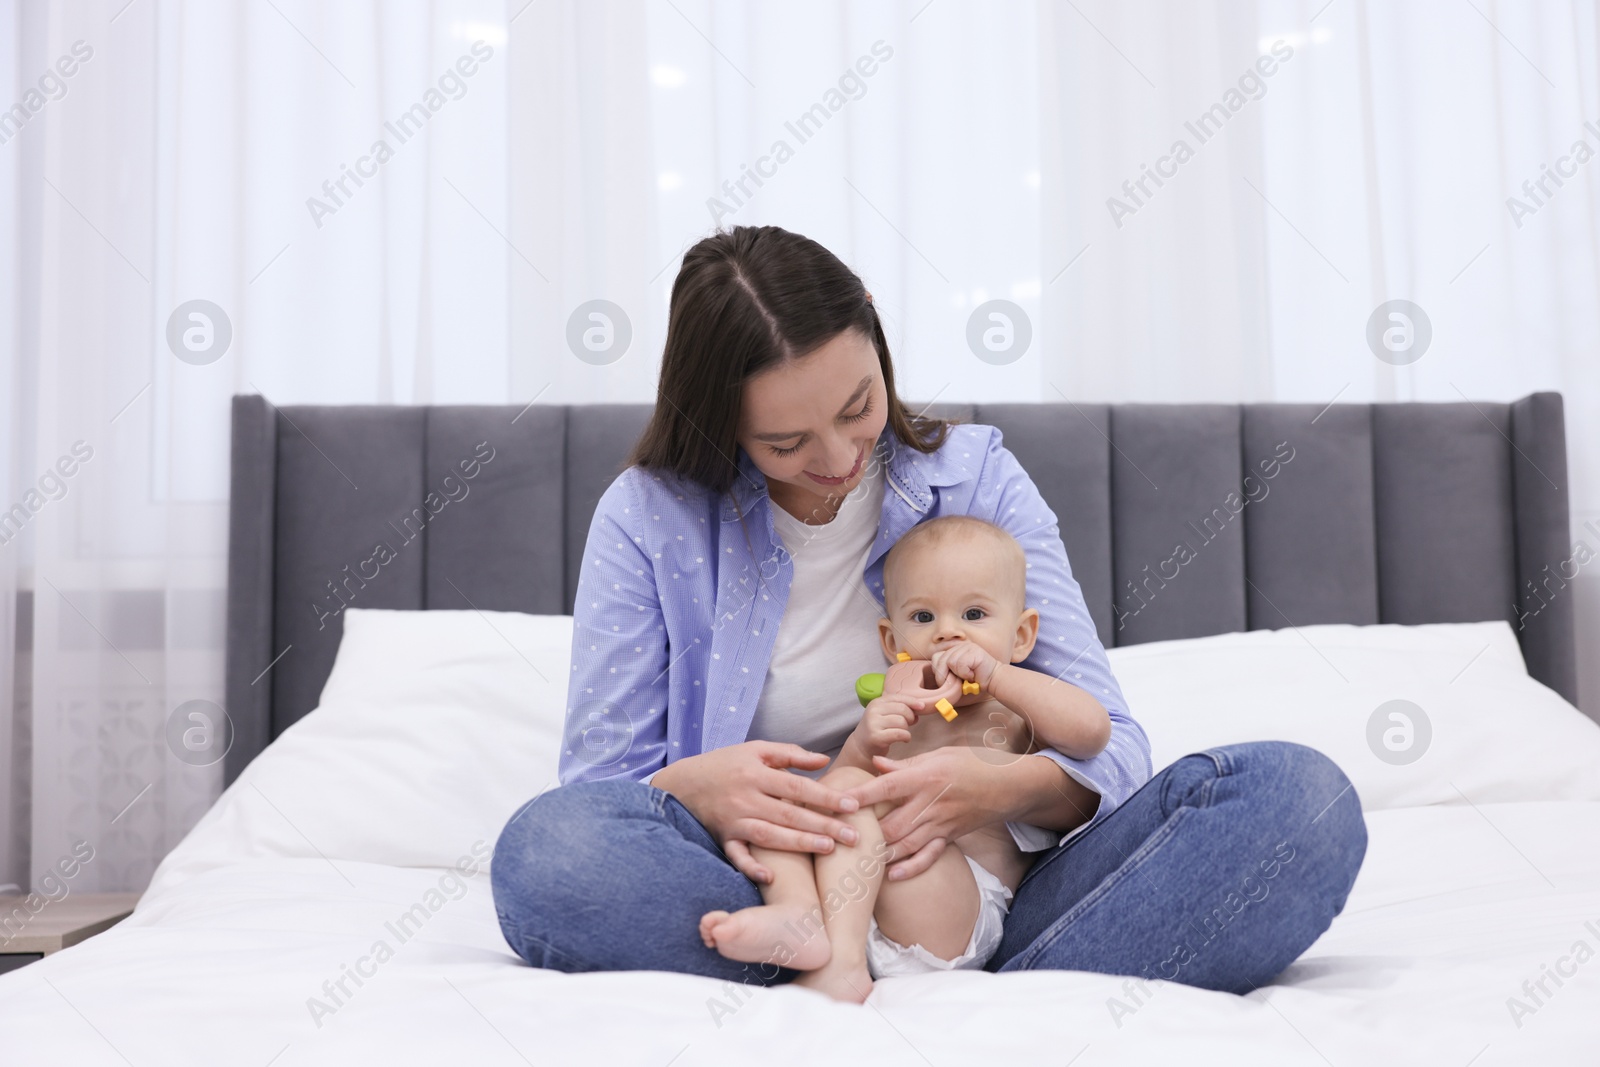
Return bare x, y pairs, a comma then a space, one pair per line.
954, 593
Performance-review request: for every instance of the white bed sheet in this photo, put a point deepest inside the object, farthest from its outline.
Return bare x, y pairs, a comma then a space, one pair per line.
1482, 873
1446, 921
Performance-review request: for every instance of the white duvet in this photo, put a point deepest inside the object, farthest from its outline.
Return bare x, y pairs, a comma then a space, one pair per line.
333, 907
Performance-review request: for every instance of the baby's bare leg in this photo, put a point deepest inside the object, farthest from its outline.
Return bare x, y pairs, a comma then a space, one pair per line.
847, 882
937, 909
786, 930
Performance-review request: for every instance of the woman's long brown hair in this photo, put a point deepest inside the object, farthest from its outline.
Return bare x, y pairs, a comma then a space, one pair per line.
745, 300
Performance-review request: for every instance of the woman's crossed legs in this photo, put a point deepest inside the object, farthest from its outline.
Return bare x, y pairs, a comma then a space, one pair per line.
1219, 872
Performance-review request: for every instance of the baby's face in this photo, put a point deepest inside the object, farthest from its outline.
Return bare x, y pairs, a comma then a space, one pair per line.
952, 590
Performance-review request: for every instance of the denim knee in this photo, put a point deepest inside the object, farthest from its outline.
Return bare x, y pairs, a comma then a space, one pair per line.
1321, 792
1329, 809
553, 848
1314, 798
1317, 801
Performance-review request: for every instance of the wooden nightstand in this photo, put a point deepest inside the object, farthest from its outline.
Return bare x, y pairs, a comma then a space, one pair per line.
57, 925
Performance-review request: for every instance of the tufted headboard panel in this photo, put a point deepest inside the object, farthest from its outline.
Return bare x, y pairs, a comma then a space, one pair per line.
1180, 520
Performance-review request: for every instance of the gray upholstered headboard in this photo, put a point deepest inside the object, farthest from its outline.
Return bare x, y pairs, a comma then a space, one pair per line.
1404, 513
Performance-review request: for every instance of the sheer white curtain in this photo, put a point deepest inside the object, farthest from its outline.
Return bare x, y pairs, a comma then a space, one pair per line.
205, 152
902, 136
1376, 162
537, 157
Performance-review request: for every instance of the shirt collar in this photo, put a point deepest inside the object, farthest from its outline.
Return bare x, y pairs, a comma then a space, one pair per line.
915, 473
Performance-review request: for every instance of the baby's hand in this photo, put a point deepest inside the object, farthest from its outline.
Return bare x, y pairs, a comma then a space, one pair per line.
965, 660
885, 722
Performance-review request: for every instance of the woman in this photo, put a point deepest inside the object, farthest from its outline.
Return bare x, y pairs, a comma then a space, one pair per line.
729, 595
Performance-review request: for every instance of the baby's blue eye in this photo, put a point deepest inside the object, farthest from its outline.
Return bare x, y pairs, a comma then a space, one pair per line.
972, 614
922, 616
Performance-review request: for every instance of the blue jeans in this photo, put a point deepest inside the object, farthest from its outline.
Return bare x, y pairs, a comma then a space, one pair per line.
1219, 872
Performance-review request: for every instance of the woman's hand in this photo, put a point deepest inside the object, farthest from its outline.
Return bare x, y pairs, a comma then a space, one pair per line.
939, 796
744, 794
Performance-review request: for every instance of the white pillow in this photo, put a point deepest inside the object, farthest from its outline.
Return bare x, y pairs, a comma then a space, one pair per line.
1486, 730
433, 728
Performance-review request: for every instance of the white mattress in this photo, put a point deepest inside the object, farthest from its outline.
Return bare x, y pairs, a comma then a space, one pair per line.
1482, 874
1445, 922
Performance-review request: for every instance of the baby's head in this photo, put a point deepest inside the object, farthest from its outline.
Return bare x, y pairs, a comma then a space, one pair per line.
957, 578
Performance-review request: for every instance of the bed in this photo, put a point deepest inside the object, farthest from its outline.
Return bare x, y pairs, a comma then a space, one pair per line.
1392, 594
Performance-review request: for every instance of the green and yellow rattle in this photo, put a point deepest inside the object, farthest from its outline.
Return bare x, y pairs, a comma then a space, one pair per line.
912, 679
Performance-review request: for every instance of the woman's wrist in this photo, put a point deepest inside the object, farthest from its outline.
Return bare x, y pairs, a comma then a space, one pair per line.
1014, 786
1036, 790
671, 777
682, 778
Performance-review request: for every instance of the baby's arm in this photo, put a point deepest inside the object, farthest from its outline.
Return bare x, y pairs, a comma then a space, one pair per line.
1064, 717
1061, 715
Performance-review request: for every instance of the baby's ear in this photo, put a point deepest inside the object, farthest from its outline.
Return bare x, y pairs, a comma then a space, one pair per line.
1027, 635
886, 637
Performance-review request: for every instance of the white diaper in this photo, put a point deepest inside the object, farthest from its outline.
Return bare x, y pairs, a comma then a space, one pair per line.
888, 959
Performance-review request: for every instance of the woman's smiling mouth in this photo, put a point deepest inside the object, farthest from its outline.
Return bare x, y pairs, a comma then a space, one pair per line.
860, 454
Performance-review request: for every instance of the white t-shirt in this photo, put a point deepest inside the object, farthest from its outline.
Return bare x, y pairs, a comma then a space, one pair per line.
829, 633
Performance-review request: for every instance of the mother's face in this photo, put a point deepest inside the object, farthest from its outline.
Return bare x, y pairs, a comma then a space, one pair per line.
809, 424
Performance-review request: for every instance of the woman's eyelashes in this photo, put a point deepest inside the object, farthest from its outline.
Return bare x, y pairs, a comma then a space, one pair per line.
866, 410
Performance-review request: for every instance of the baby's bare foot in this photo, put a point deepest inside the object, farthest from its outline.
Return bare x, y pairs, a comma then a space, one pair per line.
849, 982
785, 934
